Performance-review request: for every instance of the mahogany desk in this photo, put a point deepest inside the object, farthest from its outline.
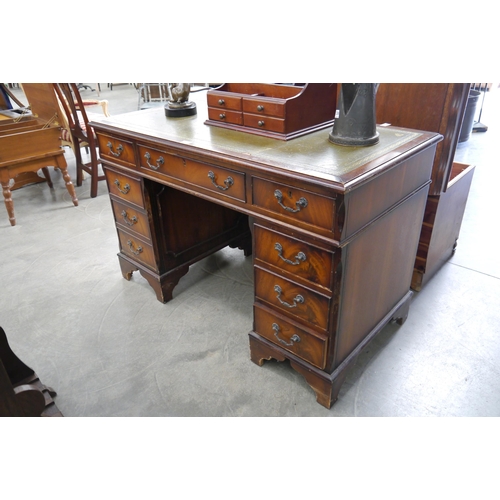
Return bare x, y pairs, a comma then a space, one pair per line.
333, 230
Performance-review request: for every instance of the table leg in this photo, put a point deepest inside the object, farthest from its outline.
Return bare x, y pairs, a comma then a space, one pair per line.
67, 179
9, 203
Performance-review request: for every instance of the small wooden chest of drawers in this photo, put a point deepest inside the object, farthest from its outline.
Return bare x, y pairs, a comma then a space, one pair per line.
278, 111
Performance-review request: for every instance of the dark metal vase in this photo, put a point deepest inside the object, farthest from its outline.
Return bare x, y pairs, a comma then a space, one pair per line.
356, 124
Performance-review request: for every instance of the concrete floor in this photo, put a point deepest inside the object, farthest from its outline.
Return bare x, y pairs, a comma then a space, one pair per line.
109, 348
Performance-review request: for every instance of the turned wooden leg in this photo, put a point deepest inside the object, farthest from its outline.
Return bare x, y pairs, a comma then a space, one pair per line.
69, 185
9, 203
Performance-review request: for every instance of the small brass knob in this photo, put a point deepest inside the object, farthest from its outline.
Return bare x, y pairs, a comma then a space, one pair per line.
222, 102
260, 107
260, 123
222, 116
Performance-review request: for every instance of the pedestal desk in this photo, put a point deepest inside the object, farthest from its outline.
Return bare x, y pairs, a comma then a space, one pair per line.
333, 230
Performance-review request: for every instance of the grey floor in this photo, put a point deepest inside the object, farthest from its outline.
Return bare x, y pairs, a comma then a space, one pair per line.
110, 348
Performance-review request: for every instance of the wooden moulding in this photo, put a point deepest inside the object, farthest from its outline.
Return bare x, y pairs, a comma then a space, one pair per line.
276, 111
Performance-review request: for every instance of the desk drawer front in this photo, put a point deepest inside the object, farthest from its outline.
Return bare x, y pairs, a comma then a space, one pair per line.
116, 150
293, 203
224, 101
294, 256
264, 107
124, 187
292, 299
217, 179
225, 115
131, 218
308, 345
137, 249
264, 123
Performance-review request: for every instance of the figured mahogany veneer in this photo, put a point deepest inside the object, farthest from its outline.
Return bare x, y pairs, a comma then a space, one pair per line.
272, 110
333, 230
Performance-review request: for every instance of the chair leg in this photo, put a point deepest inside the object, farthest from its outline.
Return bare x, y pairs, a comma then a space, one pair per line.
94, 178
46, 174
79, 170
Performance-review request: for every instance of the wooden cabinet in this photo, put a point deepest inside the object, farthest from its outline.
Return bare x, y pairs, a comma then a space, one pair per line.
272, 110
436, 107
333, 230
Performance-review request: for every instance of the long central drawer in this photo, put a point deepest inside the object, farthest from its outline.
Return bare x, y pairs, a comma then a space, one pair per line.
216, 179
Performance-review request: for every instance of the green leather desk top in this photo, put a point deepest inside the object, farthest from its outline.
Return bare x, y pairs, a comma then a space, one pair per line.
311, 155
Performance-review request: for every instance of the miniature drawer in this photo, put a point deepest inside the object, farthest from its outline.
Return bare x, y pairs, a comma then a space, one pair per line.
221, 180
264, 122
294, 203
264, 107
307, 345
137, 249
116, 150
227, 116
224, 101
124, 187
135, 220
292, 299
294, 256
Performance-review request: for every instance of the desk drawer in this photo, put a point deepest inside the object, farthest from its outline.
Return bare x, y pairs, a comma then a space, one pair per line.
265, 107
264, 122
225, 115
306, 344
137, 249
223, 101
125, 187
131, 218
292, 299
116, 150
217, 179
293, 203
294, 256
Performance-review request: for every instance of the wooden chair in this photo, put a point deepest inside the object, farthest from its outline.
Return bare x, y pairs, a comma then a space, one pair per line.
66, 137
21, 392
81, 134
152, 94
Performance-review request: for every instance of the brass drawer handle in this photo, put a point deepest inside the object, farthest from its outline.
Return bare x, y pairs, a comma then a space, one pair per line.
222, 102
222, 116
159, 162
300, 257
260, 107
130, 221
293, 339
261, 123
227, 183
131, 246
299, 299
302, 203
119, 149
125, 189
